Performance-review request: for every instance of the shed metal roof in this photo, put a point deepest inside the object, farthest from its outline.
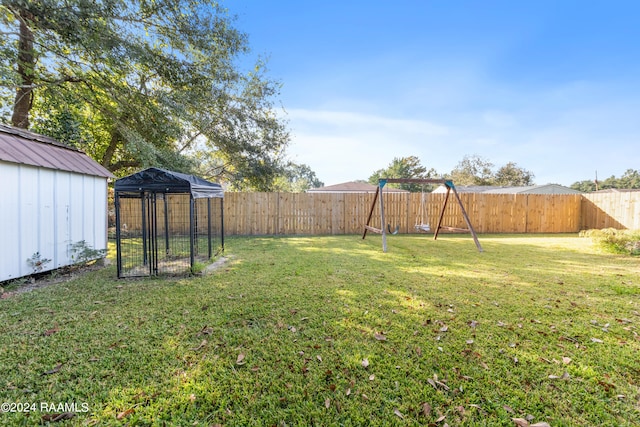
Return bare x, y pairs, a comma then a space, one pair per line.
28, 148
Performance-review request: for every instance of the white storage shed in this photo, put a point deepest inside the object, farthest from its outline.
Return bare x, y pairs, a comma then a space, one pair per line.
52, 197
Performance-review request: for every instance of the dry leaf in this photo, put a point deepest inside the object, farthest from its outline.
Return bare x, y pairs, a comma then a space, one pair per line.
508, 409
348, 392
319, 358
469, 341
598, 340
442, 417
541, 424
365, 363
51, 331
54, 370
566, 360
520, 422
58, 417
124, 414
380, 337
206, 330
398, 413
473, 323
372, 377
200, 347
327, 403
192, 397
239, 360
445, 328
426, 409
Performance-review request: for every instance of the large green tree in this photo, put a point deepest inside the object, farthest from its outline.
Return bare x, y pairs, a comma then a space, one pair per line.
405, 167
141, 82
513, 175
473, 170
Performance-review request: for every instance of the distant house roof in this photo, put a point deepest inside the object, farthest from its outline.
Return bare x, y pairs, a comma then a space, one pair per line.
353, 187
529, 189
28, 148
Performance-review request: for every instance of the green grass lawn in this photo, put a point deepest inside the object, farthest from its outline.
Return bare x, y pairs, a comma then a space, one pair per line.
331, 331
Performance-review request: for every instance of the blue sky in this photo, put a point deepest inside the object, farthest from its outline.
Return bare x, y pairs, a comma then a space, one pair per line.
551, 85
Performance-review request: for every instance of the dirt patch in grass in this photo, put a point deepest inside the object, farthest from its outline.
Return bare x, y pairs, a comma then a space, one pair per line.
39, 281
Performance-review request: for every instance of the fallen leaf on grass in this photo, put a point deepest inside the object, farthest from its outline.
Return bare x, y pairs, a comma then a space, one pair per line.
200, 347
469, 341
327, 403
365, 363
124, 414
445, 328
566, 360
348, 392
564, 376
240, 359
597, 340
426, 409
398, 413
206, 330
508, 409
540, 424
380, 337
520, 422
319, 358
52, 418
372, 377
54, 370
51, 331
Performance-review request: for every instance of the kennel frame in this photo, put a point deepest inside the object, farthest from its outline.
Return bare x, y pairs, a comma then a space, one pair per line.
153, 186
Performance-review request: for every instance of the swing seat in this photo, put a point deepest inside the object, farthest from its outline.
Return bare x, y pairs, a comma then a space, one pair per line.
423, 227
394, 231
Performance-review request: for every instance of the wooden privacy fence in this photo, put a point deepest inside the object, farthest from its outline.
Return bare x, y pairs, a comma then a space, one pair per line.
333, 213
330, 214
611, 210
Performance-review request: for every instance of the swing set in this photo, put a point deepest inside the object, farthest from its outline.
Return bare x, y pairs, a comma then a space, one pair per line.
422, 225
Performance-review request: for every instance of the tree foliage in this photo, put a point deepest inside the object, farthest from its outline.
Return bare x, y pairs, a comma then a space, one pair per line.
512, 175
138, 83
405, 167
630, 179
474, 170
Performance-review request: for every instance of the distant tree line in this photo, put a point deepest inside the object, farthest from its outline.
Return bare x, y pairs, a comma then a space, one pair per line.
630, 179
471, 170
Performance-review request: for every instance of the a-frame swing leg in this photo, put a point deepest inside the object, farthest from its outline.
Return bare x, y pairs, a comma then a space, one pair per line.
373, 206
382, 230
466, 218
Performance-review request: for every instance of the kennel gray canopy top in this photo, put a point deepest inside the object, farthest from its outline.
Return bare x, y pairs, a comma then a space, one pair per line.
164, 181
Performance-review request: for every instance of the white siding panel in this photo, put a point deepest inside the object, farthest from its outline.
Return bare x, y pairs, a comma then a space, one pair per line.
76, 215
28, 223
46, 211
63, 219
9, 220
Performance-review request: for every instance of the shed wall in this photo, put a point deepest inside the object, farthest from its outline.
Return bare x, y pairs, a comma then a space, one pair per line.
46, 211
